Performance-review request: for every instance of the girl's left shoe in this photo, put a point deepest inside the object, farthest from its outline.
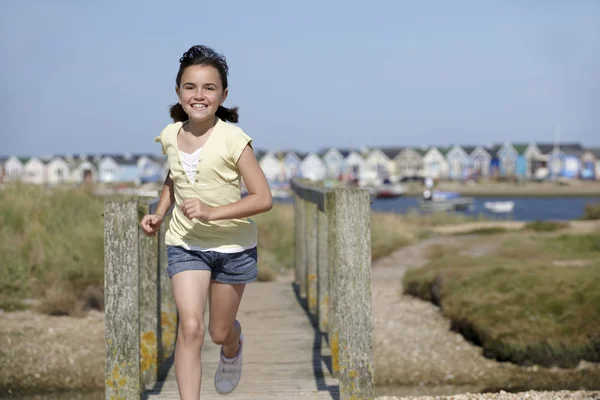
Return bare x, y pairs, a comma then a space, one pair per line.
229, 371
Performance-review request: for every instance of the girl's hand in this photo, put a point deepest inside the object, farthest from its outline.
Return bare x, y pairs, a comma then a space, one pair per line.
151, 224
194, 208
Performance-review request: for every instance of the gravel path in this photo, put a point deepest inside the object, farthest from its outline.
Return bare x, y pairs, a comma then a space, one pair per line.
413, 344
55, 353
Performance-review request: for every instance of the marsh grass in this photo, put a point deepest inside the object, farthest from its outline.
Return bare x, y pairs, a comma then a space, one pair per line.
592, 211
52, 245
51, 242
546, 226
492, 230
438, 250
518, 303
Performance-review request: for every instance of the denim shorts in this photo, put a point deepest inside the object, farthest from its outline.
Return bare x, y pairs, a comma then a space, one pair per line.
224, 267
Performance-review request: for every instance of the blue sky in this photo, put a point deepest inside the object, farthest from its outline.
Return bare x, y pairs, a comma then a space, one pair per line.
79, 76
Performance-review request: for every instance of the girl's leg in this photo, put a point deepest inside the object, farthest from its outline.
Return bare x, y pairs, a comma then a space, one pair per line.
233, 273
190, 290
224, 304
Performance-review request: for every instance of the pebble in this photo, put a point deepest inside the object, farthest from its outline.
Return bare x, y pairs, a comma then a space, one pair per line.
502, 395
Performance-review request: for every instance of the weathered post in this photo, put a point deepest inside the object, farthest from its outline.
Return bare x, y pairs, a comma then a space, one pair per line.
333, 331
121, 294
168, 311
322, 271
311, 256
149, 302
297, 238
336, 236
349, 250
300, 210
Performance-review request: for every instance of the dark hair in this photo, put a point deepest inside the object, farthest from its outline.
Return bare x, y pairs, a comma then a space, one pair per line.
202, 55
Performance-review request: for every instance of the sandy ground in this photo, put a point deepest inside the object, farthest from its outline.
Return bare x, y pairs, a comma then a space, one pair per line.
40, 352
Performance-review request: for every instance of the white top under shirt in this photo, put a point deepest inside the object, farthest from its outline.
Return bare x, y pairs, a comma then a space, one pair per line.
189, 163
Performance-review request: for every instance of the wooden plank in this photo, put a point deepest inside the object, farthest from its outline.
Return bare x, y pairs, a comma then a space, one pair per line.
312, 194
284, 355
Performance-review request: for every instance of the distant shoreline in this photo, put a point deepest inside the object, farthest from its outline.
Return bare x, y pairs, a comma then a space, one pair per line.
507, 194
529, 189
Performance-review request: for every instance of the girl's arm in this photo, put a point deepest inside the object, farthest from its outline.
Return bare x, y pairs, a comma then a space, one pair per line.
167, 197
259, 197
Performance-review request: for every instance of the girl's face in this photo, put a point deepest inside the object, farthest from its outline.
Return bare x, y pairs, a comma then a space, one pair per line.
201, 92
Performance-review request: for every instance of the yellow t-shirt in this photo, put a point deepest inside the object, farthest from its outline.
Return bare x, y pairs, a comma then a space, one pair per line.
217, 183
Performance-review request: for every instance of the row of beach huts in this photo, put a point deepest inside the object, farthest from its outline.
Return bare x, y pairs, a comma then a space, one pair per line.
533, 161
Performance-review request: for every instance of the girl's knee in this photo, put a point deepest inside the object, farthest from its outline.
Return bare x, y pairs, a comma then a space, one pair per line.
219, 335
192, 329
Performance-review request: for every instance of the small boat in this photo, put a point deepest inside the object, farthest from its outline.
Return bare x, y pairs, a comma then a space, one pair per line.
444, 196
499, 206
457, 204
388, 190
445, 201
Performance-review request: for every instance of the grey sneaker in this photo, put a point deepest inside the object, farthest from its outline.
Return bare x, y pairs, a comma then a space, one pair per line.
229, 371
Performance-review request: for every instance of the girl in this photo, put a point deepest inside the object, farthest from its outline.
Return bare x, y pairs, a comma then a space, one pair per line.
211, 244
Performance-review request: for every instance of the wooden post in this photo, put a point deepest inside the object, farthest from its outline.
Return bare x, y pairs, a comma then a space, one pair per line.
168, 310
346, 226
311, 257
297, 238
349, 219
333, 331
300, 228
149, 302
122, 301
322, 271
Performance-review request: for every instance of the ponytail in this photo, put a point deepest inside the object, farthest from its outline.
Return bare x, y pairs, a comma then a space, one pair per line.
177, 113
227, 114
224, 113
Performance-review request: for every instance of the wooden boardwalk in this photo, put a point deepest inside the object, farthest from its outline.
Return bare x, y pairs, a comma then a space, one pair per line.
284, 356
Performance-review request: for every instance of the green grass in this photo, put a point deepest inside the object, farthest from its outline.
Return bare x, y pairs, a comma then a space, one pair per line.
275, 241
492, 230
592, 211
438, 218
546, 226
52, 245
535, 300
536, 226
389, 232
50, 242
437, 250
